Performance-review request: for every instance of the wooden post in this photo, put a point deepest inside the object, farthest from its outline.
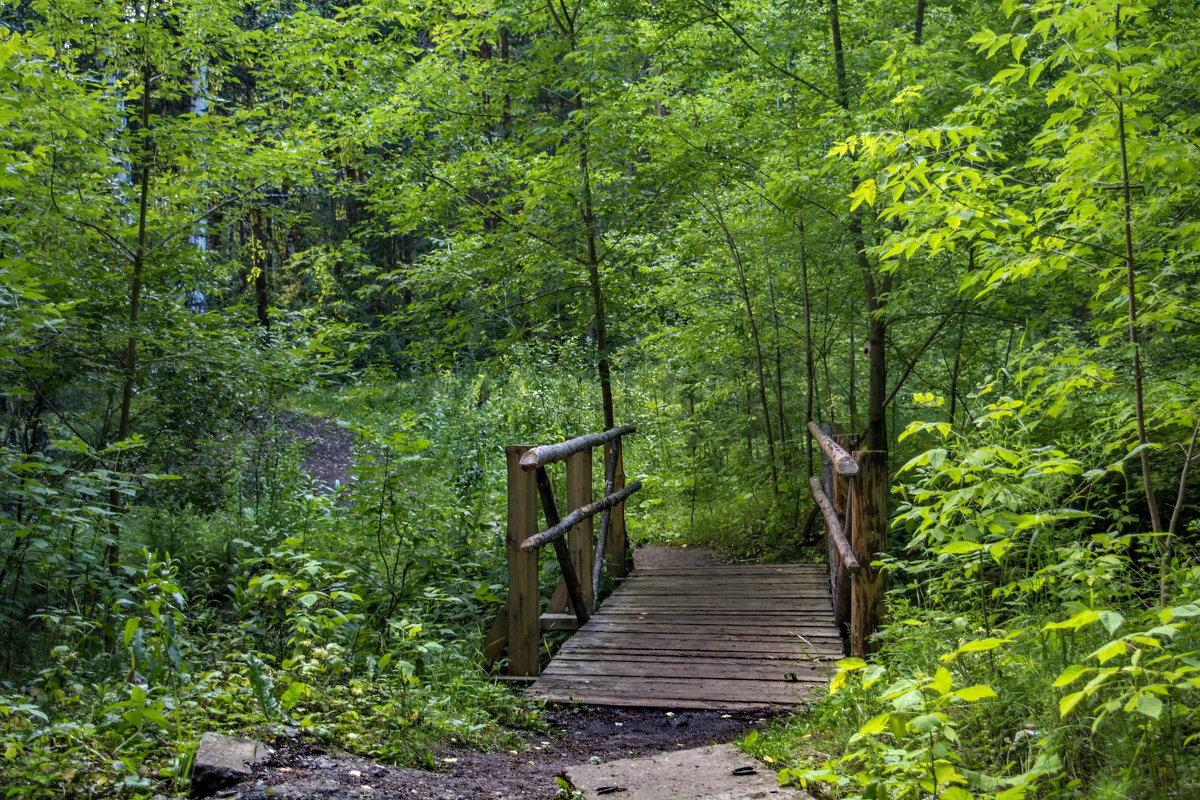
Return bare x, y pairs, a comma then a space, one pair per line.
868, 537
524, 637
843, 583
616, 546
579, 494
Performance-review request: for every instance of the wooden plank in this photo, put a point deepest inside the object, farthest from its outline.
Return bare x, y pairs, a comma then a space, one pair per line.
558, 622
790, 633
572, 669
742, 661
783, 591
698, 647
524, 637
824, 622
733, 569
579, 540
617, 700
702, 604
678, 688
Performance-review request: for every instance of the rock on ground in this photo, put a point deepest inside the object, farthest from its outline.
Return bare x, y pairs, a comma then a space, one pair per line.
223, 761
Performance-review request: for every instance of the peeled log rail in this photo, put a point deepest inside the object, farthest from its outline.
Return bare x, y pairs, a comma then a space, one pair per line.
843, 462
577, 516
545, 454
834, 526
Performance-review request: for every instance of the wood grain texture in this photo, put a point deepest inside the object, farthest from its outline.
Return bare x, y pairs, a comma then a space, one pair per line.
733, 637
524, 637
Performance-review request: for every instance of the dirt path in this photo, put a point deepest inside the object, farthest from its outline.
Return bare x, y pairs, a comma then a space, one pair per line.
303, 772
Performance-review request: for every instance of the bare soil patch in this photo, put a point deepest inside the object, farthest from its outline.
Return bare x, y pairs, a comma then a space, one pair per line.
306, 772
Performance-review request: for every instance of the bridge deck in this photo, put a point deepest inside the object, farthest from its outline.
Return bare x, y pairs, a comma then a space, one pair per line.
731, 637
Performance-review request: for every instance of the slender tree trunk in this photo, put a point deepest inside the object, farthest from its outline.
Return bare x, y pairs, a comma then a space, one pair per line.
810, 367
566, 24
1139, 401
876, 433
129, 362
777, 347
260, 258
593, 267
744, 290
919, 22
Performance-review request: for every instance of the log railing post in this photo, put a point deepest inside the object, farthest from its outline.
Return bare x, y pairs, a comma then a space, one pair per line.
524, 637
579, 494
615, 548
868, 538
843, 583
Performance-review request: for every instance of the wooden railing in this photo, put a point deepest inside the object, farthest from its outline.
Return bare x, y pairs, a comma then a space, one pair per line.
581, 558
852, 496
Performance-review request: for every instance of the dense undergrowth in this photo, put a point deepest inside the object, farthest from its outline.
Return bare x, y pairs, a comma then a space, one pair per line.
1034, 649
273, 606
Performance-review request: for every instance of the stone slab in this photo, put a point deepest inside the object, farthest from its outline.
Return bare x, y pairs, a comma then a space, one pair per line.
222, 761
706, 773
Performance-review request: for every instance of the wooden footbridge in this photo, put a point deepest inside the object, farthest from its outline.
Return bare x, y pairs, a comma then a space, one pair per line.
730, 637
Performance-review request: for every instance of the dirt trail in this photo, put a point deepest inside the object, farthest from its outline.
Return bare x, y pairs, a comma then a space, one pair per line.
303, 772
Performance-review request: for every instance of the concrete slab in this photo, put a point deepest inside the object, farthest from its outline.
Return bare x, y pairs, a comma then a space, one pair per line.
707, 773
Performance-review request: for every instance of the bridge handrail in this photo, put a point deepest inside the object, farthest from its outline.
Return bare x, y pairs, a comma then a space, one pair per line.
842, 461
853, 500
545, 454
520, 623
834, 526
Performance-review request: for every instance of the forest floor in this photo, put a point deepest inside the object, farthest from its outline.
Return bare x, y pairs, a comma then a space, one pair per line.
305, 772
327, 448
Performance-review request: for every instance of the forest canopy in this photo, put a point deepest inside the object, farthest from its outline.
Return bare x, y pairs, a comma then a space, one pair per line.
235, 236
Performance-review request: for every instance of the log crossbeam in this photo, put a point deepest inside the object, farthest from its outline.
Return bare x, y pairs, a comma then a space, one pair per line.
579, 515
545, 454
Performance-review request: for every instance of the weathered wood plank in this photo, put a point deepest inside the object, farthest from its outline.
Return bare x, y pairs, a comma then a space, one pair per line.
720, 637
700, 688
573, 669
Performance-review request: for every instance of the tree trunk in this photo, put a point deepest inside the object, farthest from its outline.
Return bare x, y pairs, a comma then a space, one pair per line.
744, 290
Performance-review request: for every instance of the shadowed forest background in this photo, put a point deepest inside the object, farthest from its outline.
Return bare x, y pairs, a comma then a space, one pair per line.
968, 232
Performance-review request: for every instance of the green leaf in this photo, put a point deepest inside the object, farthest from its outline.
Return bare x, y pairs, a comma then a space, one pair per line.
1110, 651
1069, 702
1085, 617
977, 692
960, 547
1149, 705
131, 626
1069, 675
874, 725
